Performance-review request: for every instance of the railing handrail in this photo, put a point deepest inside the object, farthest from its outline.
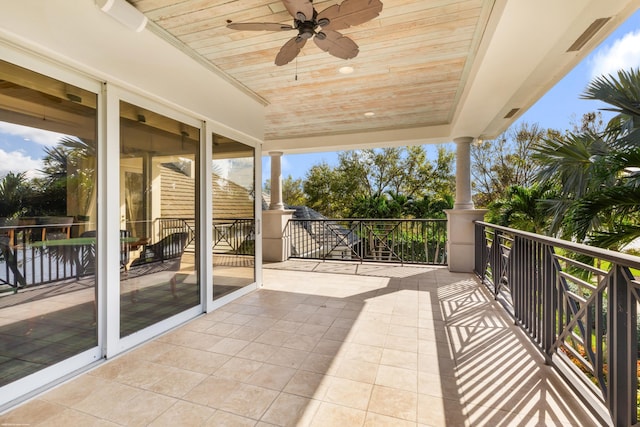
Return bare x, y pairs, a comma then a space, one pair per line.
621, 258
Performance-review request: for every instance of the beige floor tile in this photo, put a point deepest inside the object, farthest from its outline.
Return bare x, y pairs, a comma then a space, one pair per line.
271, 376
302, 342
376, 420
72, 392
246, 333
222, 329
239, 319
289, 357
399, 378
321, 319
328, 347
319, 363
376, 339
100, 401
226, 419
313, 330
401, 343
193, 360
364, 372
249, 401
334, 415
190, 339
399, 358
438, 412
307, 384
349, 393
212, 391
289, 410
32, 413
338, 333
258, 351
394, 403
277, 338
71, 417
403, 331
362, 352
228, 346
141, 409
177, 383
183, 414
238, 369
286, 326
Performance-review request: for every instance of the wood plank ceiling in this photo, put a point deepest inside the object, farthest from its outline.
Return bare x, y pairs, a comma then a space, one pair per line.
411, 70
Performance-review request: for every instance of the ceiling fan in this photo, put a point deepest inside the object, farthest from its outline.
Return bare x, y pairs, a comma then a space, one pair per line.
319, 26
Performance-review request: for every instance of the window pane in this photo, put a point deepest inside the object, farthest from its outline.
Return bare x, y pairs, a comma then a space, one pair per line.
233, 215
47, 221
158, 176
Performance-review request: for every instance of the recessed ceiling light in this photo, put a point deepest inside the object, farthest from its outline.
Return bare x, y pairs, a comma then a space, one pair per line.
345, 70
369, 114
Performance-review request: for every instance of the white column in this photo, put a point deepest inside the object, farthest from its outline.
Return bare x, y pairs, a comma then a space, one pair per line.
276, 181
463, 173
460, 219
276, 244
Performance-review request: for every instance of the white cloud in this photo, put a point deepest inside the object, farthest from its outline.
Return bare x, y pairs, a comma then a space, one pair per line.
624, 53
39, 136
16, 161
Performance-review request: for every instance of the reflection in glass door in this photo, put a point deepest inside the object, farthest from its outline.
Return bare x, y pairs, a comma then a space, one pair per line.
48, 216
158, 161
233, 191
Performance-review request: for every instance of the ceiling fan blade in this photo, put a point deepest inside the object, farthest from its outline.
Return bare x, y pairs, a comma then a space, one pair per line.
336, 44
259, 26
303, 6
350, 13
290, 50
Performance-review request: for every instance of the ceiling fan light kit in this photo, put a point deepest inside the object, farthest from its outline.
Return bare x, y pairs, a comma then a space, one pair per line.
322, 27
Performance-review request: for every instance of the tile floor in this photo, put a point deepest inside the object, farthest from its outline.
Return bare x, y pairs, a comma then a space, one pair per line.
327, 344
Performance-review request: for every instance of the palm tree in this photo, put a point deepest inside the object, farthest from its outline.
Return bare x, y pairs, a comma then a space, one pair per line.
523, 208
598, 174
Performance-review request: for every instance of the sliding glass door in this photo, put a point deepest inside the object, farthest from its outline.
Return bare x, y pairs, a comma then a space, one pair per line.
48, 193
234, 232
158, 218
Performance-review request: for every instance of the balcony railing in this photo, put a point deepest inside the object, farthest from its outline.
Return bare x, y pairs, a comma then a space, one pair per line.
410, 241
578, 304
234, 236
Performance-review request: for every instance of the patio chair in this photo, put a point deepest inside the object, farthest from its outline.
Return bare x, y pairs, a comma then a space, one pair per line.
171, 246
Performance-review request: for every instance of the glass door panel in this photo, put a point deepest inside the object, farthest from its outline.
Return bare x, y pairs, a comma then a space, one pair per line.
159, 183
48, 214
233, 193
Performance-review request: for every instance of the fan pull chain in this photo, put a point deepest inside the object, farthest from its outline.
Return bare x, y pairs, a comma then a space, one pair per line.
296, 78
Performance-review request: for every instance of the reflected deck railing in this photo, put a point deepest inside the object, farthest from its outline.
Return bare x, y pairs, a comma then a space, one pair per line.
405, 241
26, 260
578, 304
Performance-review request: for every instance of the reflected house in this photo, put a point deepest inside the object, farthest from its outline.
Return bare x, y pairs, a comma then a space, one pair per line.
165, 128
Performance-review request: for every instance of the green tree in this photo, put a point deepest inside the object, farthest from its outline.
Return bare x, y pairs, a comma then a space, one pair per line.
13, 189
379, 183
504, 162
522, 208
292, 191
597, 173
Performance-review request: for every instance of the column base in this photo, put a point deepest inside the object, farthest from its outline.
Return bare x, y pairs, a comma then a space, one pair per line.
276, 247
461, 238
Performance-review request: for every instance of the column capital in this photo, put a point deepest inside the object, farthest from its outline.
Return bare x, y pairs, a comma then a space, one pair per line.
463, 139
276, 153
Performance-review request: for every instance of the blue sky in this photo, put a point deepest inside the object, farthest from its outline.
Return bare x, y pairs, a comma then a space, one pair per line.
559, 108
